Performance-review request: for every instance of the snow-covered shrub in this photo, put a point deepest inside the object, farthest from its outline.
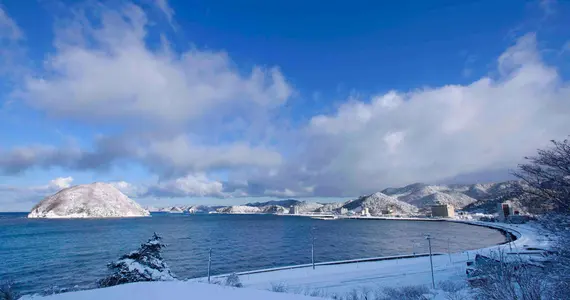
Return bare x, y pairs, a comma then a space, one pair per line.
418, 292
510, 279
316, 293
143, 264
233, 280
454, 290
279, 287
54, 289
7, 291
558, 227
362, 293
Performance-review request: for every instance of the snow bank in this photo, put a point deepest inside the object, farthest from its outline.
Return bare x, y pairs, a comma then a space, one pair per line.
172, 290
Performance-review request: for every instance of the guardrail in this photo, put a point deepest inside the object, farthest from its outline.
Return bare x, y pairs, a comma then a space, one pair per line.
329, 263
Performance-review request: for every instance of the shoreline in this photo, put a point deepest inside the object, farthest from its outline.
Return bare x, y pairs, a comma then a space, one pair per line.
344, 276
505, 231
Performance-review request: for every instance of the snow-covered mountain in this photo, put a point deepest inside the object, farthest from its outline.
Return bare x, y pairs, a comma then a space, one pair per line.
201, 209
424, 196
457, 200
492, 194
378, 202
274, 209
307, 207
480, 197
238, 209
173, 209
284, 203
330, 207
95, 200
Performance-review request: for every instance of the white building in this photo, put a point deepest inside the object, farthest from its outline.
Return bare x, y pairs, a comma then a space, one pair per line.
444, 210
504, 210
294, 210
365, 212
343, 211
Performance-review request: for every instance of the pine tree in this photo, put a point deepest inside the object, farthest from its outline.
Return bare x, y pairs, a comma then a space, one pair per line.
144, 264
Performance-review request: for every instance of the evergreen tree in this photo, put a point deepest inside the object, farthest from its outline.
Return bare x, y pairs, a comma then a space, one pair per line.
144, 264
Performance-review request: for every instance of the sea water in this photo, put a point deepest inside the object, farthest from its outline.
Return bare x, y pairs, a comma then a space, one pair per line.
39, 254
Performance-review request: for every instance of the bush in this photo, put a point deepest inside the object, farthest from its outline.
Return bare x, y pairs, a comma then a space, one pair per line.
144, 264
279, 287
504, 278
453, 289
418, 292
233, 280
7, 291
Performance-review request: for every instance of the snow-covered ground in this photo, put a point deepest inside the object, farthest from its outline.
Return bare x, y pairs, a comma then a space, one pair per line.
172, 290
342, 279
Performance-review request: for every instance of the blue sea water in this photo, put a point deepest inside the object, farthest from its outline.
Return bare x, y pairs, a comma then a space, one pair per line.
39, 253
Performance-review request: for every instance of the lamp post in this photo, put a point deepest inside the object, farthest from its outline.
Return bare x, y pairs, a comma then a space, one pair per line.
209, 263
313, 246
428, 237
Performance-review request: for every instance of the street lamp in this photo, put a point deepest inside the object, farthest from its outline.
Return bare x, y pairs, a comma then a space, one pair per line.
313, 246
209, 263
428, 237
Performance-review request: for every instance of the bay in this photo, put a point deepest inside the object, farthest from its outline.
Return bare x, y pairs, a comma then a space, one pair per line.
42, 253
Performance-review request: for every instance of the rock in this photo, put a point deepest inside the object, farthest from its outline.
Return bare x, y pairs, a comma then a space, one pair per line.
95, 200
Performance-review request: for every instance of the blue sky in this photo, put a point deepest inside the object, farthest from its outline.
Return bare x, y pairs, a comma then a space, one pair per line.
223, 101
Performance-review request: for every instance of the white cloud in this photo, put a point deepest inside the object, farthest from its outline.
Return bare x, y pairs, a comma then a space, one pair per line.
186, 115
108, 73
60, 183
196, 185
11, 50
167, 10
22, 198
129, 189
548, 6
437, 133
179, 155
280, 193
8, 28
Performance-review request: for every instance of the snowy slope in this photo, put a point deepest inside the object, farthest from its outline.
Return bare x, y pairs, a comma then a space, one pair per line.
330, 207
492, 194
199, 209
172, 290
238, 209
175, 210
285, 203
423, 196
95, 200
273, 209
457, 200
377, 202
307, 207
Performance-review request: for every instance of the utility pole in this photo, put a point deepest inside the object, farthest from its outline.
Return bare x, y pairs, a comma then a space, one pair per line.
428, 237
449, 251
313, 247
209, 263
